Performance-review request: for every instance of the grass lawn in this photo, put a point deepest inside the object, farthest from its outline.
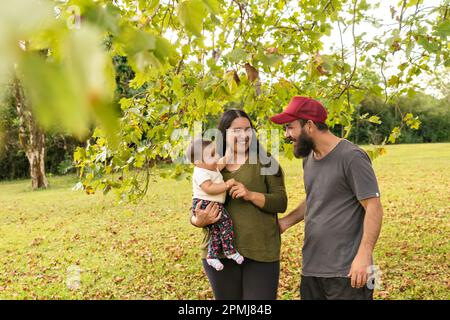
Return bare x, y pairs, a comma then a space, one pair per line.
150, 251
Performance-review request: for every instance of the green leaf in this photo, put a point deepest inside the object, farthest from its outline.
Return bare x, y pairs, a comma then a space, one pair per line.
139, 79
177, 87
125, 103
411, 92
395, 133
409, 47
269, 60
105, 17
357, 96
403, 66
375, 119
52, 96
191, 14
75, 89
20, 20
447, 63
443, 29
213, 6
376, 152
393, 81
411, 121
229, 79
237, 55
164, 51
148, 4
429, 45
146, 49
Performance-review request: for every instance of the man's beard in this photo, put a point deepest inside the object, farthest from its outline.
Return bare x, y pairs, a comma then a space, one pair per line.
303, 146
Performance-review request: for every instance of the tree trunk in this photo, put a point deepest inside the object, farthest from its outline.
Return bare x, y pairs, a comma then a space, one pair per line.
31, 138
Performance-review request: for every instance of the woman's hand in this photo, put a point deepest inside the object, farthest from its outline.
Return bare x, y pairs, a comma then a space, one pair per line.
238, 190
207, 216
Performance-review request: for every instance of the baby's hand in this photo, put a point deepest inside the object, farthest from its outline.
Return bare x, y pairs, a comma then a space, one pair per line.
230, 183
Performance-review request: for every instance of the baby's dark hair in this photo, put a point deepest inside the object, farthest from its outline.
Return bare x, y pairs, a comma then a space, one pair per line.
195, 149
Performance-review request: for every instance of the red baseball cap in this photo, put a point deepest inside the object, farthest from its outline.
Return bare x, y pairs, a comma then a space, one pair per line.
301, 108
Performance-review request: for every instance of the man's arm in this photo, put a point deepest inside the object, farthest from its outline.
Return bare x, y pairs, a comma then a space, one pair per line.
372, 225
294, 217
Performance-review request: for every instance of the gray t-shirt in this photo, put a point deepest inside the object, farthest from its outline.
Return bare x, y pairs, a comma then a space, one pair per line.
334, 216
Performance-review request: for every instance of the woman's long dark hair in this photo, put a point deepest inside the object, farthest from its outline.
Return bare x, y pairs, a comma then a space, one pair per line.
224, 124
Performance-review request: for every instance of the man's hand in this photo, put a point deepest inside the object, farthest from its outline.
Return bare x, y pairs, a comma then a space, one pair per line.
359, 270
294, 217
283, 225
207, 216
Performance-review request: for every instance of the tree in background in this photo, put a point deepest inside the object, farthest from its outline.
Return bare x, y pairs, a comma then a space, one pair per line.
193, 58
31, 138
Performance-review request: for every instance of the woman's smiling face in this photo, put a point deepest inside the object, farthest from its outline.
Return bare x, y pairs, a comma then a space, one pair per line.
239, 135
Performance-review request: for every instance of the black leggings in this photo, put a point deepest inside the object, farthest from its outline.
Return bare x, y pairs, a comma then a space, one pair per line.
251, 280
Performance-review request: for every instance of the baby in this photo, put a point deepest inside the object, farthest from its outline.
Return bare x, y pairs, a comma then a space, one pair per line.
209, 186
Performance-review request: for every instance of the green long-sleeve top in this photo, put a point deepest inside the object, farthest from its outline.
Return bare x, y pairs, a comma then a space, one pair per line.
256, 231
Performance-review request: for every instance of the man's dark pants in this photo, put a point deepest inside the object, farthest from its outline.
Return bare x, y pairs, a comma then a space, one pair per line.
317, 288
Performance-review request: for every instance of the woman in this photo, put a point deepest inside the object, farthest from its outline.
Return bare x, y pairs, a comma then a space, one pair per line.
253, 203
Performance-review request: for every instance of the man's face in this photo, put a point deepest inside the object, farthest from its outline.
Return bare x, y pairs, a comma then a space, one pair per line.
303, 143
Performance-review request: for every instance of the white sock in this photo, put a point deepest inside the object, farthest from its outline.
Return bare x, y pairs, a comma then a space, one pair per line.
215, 263
236, 257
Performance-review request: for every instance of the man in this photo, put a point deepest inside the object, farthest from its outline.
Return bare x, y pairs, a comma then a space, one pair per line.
342, 210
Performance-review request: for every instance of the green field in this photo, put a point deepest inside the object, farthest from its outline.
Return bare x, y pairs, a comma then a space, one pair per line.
149, 250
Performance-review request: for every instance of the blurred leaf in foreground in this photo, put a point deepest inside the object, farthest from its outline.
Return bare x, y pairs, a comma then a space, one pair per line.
67, 75
74, 87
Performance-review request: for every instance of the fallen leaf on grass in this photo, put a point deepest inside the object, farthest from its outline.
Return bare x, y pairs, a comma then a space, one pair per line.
36, 241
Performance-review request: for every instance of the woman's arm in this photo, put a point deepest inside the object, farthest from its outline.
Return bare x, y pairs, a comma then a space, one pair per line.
238, 190
258, 199
274, 201
276, 197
